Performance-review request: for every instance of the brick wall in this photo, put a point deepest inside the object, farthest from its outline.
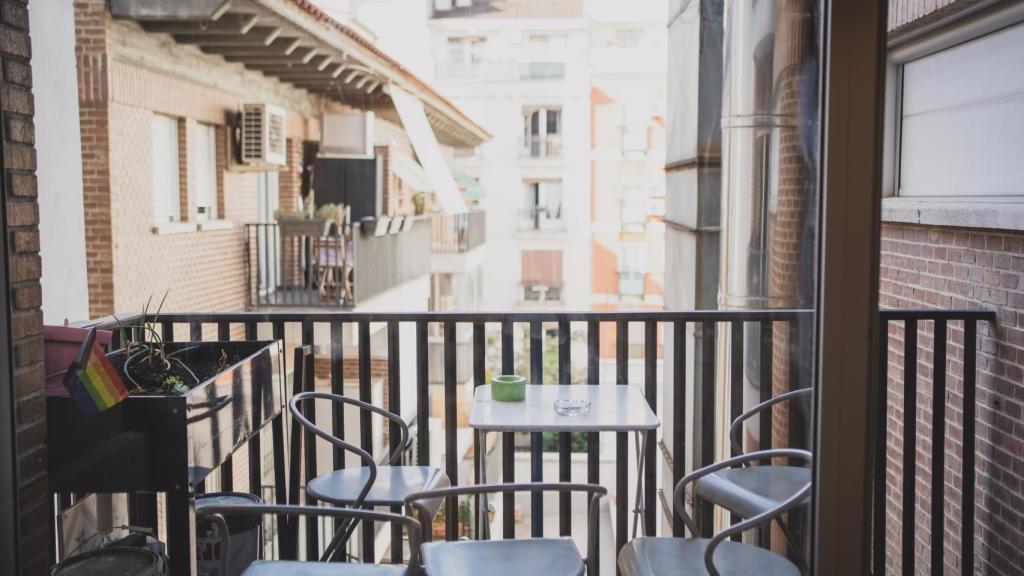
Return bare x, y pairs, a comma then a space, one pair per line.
200, 269
22, 227
939, 267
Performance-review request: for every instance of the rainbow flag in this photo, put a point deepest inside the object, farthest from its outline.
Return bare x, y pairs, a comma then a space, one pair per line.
92, 381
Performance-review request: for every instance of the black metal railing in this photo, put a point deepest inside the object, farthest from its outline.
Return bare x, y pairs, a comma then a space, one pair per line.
949, 338
454, 233
289, 265
765, 347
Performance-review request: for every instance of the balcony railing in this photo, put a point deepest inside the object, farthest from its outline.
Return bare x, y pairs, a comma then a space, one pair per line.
772, 338
541, 219
453, 233
295, 264
542, 147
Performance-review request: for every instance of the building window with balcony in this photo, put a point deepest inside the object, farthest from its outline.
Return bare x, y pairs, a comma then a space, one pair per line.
629, 37
542, 205
634, 203
542, 275
206, 172
542, 132
164, 169
632, 268
635, 120
464, 57
542, 71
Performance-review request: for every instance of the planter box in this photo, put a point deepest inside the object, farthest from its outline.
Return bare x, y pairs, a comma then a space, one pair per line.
165, 443
315, 228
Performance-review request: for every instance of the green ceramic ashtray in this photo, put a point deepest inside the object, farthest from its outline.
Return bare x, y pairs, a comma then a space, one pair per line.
508, 388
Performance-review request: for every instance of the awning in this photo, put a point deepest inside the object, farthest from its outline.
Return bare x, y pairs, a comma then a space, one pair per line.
470, 186
410, 172
542, 267
414, 119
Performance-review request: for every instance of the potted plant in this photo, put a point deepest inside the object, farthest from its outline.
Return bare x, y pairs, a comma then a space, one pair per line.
190, 405
295, 223
419, 203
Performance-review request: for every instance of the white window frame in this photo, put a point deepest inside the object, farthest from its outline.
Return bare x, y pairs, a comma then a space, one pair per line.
165, 184
206, 172
1002, 213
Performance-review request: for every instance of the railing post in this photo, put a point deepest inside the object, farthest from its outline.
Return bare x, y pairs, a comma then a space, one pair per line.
678, 418
968, 473
508, 462
910, 443
564, 438
450, 422
536, 438
621, 441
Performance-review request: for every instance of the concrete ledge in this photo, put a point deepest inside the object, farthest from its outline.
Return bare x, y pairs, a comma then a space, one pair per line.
995, 213
216, 225
168, 228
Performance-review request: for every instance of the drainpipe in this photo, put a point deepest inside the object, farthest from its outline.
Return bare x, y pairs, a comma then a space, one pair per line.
769, 66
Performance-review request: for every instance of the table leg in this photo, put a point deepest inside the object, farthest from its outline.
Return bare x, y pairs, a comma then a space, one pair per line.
640, 442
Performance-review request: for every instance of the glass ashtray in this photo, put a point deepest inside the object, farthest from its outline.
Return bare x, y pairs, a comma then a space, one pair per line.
572, 407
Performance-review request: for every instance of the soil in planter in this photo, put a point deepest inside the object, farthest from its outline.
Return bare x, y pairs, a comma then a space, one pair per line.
205, 362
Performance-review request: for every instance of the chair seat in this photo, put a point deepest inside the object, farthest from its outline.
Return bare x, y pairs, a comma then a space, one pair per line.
294, 568
547, 556
750, 491
685, 557
392, 485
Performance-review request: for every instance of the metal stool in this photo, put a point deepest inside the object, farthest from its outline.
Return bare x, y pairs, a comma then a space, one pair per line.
547, 556
713, 556
216, 513
375, 484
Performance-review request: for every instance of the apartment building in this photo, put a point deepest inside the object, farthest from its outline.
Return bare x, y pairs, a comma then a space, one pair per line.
628, 62
170, 179
523, 66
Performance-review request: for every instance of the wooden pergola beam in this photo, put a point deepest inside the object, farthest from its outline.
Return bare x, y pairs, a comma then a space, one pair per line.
281, 46
231, 23
258, 36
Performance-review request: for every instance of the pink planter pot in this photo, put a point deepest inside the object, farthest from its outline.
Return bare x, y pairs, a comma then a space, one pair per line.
60, 345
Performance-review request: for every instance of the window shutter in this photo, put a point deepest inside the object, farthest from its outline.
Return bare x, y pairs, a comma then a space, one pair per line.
542, 267
206, 171
164, 168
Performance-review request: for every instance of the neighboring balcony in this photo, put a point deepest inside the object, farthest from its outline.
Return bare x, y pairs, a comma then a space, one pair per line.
457, 241
631, 283
540, 147
299, 265
541, 219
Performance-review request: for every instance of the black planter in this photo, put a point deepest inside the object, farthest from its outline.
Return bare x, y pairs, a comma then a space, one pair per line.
167, 443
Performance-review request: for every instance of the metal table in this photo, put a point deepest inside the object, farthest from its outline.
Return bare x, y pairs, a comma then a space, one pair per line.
613, 408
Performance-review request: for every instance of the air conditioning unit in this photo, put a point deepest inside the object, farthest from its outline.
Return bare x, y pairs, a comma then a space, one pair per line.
263, 134
347, 135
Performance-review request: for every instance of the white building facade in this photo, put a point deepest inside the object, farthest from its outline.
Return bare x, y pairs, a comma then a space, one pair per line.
521, 68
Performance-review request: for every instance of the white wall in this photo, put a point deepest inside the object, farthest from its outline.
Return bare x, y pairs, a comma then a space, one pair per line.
59, 171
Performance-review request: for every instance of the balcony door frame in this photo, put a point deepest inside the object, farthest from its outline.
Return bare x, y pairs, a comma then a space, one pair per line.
853, 88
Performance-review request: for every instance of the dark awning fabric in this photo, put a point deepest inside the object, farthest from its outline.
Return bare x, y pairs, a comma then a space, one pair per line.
542, 267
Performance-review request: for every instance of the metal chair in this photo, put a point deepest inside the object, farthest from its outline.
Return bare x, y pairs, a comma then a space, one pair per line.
217, 513
747, 491
717, 555
381, 483
547, 556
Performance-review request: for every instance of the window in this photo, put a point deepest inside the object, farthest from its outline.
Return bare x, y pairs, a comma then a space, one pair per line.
542, 71
164, 169
542, 275
206, 172
628, 37
634, 208
632, 268
463, 58
958, 132
542, 204
635, 118
542, 128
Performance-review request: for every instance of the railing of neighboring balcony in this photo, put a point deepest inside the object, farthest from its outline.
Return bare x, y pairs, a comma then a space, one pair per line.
297, 264
549, 146
776, 367
458, 232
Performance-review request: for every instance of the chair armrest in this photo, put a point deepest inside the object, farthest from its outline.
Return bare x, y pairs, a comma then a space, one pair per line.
216, 513
737, 424
679, 501
593, 521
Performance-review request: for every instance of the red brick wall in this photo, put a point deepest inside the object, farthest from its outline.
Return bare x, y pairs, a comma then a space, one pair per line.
24, 266
938, 267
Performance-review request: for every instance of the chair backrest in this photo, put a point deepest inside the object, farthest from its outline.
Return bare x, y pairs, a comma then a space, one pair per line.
752, 522
216, 513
